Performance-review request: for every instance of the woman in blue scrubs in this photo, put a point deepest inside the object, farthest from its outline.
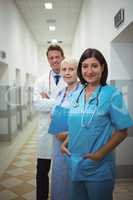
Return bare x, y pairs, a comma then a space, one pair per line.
98, 122
59, 128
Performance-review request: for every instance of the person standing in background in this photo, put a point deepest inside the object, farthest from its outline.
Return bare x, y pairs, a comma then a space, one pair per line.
44, 93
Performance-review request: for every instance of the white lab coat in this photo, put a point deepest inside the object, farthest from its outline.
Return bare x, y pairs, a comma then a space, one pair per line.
44, 106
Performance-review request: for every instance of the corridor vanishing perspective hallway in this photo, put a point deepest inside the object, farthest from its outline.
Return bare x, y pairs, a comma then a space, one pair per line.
27, 30
18, 180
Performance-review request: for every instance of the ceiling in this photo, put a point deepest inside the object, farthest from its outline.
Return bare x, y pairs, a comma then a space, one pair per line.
65, 15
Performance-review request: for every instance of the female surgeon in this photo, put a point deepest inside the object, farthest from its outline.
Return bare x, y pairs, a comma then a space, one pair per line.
58, 127
98, 122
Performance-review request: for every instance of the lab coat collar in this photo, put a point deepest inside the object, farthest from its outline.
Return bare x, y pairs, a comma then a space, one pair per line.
61, 81
54, 74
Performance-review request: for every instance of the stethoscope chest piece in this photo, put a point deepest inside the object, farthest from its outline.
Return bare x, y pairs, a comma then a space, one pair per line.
75, 104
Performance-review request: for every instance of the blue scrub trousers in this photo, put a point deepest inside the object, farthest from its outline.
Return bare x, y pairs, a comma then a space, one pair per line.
95, 190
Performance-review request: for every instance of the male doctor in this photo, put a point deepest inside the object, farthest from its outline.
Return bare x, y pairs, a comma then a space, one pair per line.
45, 91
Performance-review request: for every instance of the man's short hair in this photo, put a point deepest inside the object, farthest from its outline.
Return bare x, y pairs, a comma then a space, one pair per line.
55, 48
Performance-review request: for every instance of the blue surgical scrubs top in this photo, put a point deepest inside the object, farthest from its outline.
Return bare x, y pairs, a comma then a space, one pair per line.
90, 127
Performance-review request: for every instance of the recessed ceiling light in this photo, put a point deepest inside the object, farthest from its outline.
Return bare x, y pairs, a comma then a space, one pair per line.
54, 41
49, 41
52, 28
48, 5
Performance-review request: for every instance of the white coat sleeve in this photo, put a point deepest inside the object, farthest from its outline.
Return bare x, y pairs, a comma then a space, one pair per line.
39, 103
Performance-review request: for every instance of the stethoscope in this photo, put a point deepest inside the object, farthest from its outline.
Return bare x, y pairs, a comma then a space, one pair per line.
76, 104
49, 82
65, 93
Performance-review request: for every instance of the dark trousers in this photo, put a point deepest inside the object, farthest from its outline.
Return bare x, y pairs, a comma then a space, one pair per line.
42, 179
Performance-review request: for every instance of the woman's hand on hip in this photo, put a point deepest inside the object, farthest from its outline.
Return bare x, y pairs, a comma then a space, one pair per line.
97, 156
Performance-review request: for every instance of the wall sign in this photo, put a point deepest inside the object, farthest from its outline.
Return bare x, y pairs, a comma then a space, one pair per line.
119, 18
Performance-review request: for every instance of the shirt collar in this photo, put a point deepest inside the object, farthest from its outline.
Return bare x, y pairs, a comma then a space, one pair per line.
54, 74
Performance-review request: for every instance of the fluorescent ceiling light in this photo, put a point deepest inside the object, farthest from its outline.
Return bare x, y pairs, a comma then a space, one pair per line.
59, 41
52, 28
54, 41
48, 5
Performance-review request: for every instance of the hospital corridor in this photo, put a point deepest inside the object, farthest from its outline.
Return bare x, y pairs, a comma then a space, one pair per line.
28, 31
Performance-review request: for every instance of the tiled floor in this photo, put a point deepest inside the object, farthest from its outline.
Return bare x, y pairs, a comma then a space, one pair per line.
123, 190
18, 180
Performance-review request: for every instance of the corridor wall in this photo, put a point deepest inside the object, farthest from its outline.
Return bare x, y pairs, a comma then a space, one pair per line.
22, 53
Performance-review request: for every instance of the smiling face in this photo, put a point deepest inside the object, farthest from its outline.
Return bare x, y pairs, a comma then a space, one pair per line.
92, 71
69, 73
54, 58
